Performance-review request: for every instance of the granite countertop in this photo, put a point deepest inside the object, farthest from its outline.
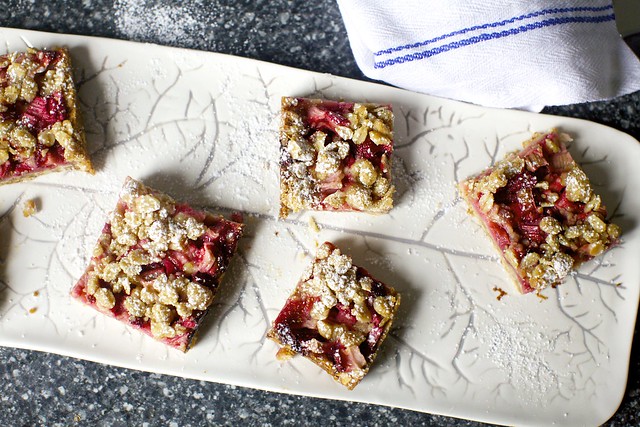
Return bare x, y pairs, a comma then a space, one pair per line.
46, 389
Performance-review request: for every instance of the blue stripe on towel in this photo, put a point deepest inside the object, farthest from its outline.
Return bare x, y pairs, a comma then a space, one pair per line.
491, 36
494, 25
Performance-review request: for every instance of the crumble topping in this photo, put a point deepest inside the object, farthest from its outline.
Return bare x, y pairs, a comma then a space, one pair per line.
334, 279
144, 229
500, 291
577, 184
540, 208
29, 208
335, 156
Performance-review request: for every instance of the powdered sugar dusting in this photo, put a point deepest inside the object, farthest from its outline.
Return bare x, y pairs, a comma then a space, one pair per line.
521, 351
253, 140
139, 20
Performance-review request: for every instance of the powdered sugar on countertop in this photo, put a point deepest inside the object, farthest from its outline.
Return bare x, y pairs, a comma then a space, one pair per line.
136, 19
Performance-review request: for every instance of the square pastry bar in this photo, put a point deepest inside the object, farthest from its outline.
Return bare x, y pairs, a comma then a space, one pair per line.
337, 317
40, 130
335, 156
540, 209
158, 264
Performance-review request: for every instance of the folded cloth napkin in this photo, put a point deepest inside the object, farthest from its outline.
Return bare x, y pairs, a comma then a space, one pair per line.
502, 53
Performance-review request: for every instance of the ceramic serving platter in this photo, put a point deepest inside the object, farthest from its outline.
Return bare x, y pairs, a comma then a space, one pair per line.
203, 128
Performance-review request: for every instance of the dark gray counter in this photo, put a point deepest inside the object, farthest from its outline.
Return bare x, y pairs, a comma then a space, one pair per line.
45, 389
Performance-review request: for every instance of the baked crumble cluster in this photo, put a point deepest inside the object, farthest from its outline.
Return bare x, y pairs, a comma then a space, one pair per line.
337, 316
540, 209
158, 264
335, 156
40, 130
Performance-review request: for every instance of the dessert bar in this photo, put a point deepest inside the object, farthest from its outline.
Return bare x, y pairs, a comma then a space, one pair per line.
335, 156
540, 209
337, 316
40, 130
158, 264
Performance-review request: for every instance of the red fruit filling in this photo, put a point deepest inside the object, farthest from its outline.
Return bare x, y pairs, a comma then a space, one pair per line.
47, 58
43, 158
42, 112
295, 326
372, 152
328, 115
342, 314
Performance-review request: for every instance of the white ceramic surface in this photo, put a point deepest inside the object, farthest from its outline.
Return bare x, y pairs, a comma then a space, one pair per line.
203, 127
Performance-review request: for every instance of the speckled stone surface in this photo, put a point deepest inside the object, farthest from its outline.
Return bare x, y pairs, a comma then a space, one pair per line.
45, 389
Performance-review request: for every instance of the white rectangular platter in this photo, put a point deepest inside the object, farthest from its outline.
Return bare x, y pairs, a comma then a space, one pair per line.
203, 127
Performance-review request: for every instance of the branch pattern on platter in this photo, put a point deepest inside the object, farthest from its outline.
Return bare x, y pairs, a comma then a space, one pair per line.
213, 145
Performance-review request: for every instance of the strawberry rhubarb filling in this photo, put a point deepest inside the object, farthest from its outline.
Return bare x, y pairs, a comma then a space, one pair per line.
541, 212
335, 156
38, 126
337, 316
158, 264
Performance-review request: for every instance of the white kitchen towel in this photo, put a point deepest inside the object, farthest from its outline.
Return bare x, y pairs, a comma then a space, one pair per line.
502, 53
